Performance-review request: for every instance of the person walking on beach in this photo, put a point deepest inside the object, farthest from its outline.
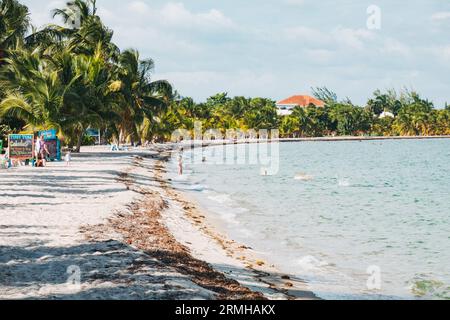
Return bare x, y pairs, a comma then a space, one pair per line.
180, 162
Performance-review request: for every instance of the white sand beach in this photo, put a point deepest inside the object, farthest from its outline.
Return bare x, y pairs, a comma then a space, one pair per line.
112, 222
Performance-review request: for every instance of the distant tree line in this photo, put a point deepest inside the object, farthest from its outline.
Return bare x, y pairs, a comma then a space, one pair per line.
386, 114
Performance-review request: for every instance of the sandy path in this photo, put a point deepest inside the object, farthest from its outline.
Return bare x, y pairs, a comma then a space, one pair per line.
42, 248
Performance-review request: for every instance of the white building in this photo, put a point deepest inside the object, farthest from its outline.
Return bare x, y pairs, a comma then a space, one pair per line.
386, 114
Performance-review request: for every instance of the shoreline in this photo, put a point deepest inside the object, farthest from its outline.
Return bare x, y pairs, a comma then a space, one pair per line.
412, 295
252, 270
115, 219
279, 285
164, 246
128, 230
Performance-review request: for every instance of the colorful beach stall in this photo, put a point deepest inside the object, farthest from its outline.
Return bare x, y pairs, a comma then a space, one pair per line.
53, 143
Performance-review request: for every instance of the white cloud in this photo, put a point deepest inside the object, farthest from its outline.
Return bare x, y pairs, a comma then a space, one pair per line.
42, 14
216, 17
131, 36
341, 37
138, 7
442, 53
353, 38
306, 34
395, 47
438, 16
320, 55
175, 14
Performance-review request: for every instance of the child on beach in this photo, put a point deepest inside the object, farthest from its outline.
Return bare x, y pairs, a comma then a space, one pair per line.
68, 158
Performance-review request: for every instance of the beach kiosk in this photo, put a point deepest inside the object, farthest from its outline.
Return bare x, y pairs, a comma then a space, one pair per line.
53, 143
20, 147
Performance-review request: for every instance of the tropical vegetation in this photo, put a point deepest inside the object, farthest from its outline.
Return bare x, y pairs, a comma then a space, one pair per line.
386, 114
72, 77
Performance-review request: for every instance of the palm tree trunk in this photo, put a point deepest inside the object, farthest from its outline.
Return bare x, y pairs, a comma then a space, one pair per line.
121, 136
79, 141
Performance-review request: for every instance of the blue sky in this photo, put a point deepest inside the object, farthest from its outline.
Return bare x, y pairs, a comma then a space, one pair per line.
279, 48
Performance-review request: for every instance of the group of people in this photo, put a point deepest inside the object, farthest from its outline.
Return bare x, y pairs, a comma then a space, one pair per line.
41, 153
40, 157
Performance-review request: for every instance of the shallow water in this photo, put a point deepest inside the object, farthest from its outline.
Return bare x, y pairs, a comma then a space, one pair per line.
357, 220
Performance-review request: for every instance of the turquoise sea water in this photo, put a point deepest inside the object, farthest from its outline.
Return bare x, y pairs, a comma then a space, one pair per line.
338, 214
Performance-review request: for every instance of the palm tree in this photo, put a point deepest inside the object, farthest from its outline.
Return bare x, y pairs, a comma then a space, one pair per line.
74, 77
442, 122
92, 101
14, 23
413, 120
290, 126
142, 98
83, 31
77, 12
299, 114
66, 91
35, 93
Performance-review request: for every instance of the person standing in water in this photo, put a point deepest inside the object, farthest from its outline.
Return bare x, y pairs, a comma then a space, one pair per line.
180, 162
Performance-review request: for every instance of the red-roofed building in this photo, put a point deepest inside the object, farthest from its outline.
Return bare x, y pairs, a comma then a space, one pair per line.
286, 106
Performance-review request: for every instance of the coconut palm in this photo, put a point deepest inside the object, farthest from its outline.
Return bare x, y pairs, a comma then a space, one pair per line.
35, 92
299, 114
14, 23
77, 12
289, 126
142, 98
82, 31
413, 120
66, 91
442, 122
